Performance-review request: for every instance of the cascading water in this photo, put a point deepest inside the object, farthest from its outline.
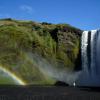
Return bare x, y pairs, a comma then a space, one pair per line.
84, 51
98, 52
90, 52
93, 52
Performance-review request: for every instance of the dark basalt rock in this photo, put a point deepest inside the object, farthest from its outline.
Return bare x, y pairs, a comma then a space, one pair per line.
60, 83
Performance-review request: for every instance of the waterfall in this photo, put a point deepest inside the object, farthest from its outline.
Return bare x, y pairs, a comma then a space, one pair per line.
98, 53
90, 52
84, 43
93, 52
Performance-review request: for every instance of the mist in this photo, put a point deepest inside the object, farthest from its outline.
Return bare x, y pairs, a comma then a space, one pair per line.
48, 69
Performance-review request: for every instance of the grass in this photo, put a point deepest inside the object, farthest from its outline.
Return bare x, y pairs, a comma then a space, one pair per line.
18, 38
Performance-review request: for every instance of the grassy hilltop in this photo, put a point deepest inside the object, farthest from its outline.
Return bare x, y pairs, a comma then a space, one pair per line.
23, 44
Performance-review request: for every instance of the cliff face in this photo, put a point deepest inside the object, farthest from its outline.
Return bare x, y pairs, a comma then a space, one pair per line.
23, 44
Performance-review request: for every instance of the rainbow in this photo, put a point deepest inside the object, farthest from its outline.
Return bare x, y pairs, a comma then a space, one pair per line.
13, 76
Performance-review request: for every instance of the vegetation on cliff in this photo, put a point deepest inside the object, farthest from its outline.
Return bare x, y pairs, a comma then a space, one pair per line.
58, 44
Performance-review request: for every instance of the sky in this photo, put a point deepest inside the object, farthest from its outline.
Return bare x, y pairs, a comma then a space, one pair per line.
83, 14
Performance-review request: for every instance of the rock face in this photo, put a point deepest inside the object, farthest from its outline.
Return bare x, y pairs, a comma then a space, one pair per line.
21, 41
59, 83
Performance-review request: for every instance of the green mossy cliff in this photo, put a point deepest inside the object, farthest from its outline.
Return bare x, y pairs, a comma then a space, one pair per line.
58, 44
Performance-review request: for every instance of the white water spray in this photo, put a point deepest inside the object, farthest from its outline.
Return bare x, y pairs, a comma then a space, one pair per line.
48, 69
